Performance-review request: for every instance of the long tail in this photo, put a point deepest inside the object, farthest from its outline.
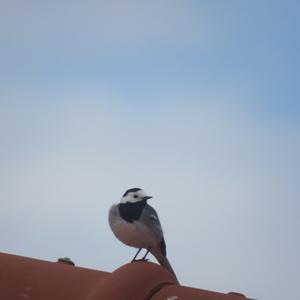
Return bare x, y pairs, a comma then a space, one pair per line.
164, 262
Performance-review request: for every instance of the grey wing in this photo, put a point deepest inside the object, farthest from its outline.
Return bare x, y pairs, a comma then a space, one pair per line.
150, 218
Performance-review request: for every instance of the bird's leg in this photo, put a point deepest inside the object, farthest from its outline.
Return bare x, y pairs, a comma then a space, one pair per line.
134, 259
144, 257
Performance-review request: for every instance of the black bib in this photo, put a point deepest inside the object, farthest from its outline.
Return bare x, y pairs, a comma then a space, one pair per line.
131, 211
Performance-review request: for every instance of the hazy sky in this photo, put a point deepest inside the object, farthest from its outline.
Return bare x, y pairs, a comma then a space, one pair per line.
197, 102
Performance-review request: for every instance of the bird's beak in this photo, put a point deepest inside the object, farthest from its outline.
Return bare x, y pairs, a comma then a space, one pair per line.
147, 197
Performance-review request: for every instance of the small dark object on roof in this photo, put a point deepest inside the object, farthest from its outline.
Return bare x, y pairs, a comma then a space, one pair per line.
66, 260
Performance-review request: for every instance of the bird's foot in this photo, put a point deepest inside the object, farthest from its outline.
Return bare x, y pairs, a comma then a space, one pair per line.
141, 259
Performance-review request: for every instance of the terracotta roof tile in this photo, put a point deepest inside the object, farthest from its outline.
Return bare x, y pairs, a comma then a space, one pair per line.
27, 278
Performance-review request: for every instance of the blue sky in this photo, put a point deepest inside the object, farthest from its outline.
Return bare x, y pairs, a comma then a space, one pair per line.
197, 102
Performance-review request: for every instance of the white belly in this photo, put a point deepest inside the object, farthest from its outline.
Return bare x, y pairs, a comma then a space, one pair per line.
133, 234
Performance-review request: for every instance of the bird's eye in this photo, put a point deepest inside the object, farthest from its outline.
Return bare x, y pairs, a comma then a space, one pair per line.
135, 196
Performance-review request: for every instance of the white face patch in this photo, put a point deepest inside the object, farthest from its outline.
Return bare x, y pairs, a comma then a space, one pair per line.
134, 197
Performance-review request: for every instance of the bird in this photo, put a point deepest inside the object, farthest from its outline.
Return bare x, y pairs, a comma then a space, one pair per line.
135, 223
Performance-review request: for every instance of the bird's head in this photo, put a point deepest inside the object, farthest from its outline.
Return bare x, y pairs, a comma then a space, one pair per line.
134, 195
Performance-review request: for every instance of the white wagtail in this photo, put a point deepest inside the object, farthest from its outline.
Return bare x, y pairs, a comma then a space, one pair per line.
135, 223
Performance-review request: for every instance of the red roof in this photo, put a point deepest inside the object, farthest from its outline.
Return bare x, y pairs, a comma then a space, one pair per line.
27, 278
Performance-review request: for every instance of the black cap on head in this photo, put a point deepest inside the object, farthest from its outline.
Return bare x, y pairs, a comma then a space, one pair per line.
131, 190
